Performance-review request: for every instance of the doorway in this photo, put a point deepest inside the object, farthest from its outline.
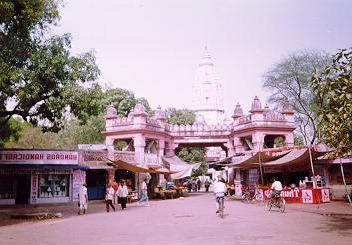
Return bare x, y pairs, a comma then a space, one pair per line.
23, 189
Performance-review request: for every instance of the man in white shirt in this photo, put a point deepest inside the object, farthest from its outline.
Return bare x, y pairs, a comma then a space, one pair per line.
219, 190
276, 187
109, 196
122, 192
144, 192
83, 199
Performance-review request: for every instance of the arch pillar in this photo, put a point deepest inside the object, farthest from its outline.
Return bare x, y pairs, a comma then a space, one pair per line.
139, 145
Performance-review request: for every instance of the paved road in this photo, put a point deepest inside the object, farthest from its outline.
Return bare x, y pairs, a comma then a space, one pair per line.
191, 220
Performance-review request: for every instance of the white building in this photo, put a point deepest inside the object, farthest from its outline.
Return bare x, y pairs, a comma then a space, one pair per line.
207, 92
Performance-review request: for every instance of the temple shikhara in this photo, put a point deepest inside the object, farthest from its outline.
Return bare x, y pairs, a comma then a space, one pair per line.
248, 149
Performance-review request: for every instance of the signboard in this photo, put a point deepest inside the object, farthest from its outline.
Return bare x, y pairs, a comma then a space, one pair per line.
325, 195
307, 196
79, 178
38, 157
34, 189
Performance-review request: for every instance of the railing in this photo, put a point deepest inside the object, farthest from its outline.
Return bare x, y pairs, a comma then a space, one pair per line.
272, 116
126, 156
244, 120
151, 159
94, 155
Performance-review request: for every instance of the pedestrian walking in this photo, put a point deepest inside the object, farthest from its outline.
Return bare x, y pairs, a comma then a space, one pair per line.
194, 185
206, 185
115, 186
108, 198
144, 192
122, 192
83, 199
199, 183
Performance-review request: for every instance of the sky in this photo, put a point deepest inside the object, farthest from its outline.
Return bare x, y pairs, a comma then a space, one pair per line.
153, 47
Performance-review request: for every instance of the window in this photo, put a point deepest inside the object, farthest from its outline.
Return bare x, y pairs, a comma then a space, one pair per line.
53, 185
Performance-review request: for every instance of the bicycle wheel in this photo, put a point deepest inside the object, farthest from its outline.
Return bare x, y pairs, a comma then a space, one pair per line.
269, 204
282, 205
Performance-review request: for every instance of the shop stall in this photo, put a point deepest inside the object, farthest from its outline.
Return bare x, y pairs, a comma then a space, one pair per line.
39, 176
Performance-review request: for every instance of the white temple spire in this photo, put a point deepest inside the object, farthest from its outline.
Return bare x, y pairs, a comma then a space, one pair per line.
207, 94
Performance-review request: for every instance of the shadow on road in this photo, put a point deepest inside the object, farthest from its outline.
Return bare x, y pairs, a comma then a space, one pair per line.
343, 225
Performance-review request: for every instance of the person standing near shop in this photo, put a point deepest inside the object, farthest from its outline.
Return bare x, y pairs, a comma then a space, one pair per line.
109, 197
144, 192
83, 199
122, 192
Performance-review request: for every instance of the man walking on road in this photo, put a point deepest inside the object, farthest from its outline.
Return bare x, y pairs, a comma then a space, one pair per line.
144, 192
83, 199
122, 192
108, 197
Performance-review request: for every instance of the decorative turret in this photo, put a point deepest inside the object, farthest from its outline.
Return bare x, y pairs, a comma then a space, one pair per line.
288, 112
256, 105
139, 114
111, 112
238, 112
160, 115
139, 110
287, 108
266, 108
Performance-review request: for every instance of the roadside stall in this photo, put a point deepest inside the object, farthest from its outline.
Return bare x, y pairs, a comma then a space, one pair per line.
291, 166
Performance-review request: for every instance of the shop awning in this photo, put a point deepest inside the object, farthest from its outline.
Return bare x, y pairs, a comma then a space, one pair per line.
252, 159
180, 168
133, 168
299, 156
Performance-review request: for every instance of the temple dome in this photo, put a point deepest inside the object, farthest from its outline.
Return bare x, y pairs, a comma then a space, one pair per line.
256, 105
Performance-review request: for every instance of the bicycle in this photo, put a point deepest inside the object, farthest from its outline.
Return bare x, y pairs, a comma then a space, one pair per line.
248, 197
278, 202
221, 206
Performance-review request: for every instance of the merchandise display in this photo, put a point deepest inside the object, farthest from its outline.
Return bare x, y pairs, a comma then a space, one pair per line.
53, 185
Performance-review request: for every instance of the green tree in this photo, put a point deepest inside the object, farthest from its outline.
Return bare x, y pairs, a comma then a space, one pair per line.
180, 116
89, 127
34, 138
13, 130
37, 71
289, 80
333, 92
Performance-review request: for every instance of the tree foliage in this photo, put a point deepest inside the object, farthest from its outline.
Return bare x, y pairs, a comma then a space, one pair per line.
84, 130
38, 76
333, 92
289, 80
180, 116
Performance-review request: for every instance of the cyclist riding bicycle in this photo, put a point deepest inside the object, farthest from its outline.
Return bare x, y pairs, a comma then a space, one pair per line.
219, 190
277, 188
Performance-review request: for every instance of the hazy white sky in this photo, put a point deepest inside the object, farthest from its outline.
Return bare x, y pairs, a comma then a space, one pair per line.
153, 47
